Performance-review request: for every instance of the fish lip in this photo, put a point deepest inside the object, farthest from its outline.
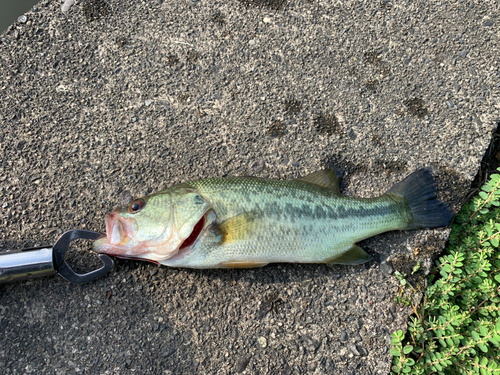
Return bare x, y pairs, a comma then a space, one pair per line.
110, 220
119, 231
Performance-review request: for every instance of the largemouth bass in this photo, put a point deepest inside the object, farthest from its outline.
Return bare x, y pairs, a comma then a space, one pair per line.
240, 222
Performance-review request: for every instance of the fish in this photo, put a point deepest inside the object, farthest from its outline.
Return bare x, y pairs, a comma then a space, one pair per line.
246, 222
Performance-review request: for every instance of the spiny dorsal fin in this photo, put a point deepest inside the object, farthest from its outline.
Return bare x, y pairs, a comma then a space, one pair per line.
326, 179
237, 228
355, 255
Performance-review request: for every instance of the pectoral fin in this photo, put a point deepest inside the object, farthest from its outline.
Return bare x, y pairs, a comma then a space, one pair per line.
355, 255
327, 179
237, 228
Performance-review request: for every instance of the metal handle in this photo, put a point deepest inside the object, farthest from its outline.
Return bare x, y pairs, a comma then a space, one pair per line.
47, 261
27, 264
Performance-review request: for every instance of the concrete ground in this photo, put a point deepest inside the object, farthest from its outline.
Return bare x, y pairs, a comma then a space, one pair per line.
100, 100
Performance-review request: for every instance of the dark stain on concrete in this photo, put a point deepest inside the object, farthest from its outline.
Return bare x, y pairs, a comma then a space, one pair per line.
416, 107
272, 4
122, 41
372, 85
371, 57
340, 165
377, 139
327, 124
219, 18
277, 129
293, 106
389, 167
384, 4
94, 10
172, 60
384, 68
192, 57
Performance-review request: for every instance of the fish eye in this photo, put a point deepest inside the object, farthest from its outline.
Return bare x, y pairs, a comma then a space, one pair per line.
136, 206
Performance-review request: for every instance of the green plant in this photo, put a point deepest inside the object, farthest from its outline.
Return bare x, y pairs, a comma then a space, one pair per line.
456, 328
403, 297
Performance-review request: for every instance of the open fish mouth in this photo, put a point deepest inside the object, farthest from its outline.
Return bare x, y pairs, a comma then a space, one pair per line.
119, 233
118, 230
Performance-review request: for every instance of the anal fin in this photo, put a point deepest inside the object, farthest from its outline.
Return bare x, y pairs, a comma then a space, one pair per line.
355, 255
242, 264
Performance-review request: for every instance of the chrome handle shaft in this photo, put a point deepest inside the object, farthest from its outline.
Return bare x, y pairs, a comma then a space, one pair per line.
27, 264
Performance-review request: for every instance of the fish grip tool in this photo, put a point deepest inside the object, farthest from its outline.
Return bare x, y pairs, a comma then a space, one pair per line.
47, 261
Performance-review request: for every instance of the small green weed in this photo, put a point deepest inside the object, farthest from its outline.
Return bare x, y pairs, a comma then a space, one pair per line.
456, 328
403, 297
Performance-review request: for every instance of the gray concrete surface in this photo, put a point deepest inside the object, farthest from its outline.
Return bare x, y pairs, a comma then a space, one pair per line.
111, 98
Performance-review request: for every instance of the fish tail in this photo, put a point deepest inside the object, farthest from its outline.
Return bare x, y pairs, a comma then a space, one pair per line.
428, 211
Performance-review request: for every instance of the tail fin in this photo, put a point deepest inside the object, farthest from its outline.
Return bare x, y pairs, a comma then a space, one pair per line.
428, 211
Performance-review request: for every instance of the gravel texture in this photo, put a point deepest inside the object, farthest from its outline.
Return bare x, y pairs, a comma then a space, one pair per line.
103, 100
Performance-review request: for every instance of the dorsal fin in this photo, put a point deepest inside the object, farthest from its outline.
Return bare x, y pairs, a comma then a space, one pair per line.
326, 179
